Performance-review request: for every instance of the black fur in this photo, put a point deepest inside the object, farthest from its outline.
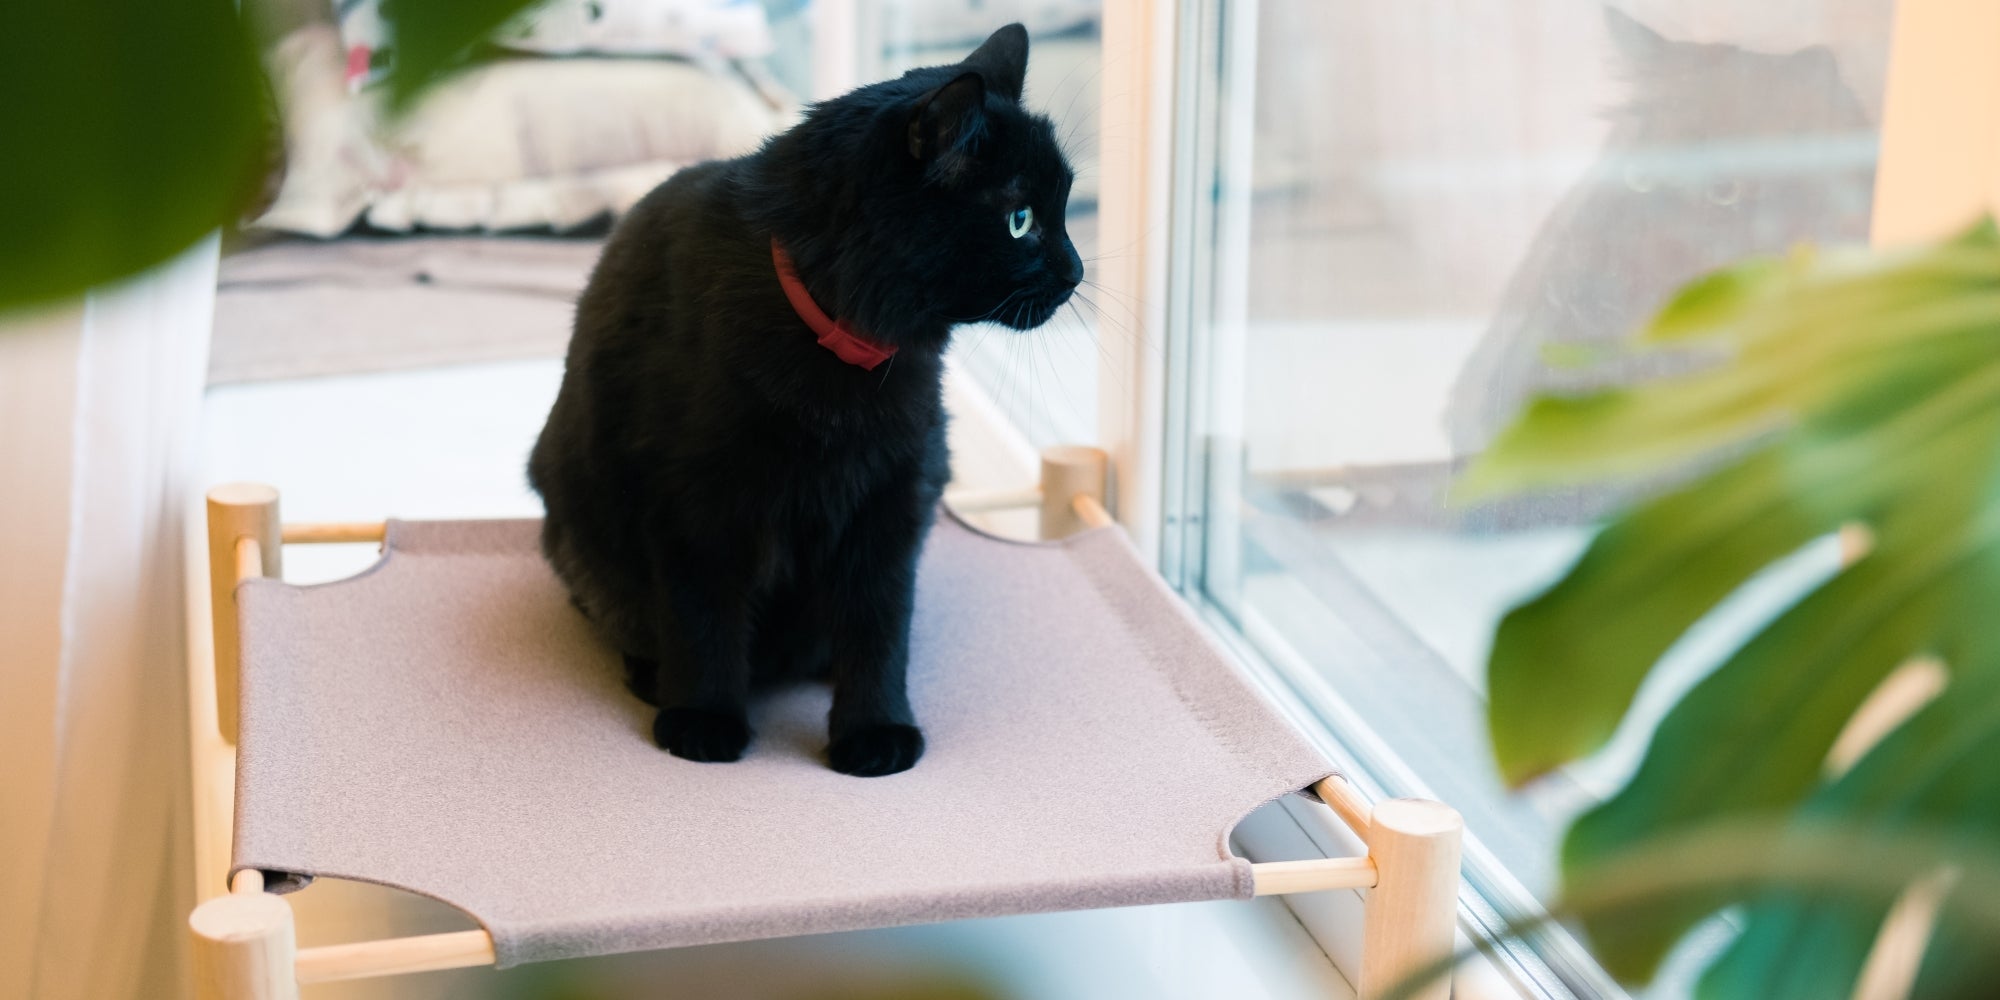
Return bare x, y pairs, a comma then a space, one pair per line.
730, 503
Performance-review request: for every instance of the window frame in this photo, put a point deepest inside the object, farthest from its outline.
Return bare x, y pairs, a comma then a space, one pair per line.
1168, 213
1939, 166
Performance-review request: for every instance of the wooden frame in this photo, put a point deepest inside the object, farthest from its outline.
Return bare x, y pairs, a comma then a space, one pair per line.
1940, 161
1136, 87
245, 944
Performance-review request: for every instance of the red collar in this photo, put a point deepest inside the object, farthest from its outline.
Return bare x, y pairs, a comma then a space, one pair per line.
837, 337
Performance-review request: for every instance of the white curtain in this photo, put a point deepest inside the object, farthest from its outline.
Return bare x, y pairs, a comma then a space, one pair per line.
99, 435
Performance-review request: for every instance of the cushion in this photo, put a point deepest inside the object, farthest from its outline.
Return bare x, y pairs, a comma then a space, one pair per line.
509, 145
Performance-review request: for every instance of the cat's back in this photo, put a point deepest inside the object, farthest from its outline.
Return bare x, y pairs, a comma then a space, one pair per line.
631, 334
649, 247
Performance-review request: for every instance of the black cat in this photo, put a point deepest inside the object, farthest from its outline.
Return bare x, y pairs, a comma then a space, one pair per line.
749, 444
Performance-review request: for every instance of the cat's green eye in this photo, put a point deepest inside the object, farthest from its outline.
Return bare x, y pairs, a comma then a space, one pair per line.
1019, 221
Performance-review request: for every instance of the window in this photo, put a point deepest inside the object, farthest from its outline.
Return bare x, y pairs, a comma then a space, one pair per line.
1389, 211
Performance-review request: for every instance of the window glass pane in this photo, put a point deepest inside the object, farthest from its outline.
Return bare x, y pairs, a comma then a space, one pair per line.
1045, 381
1414, 201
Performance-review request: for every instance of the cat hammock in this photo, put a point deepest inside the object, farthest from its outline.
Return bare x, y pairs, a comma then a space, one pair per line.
446, 723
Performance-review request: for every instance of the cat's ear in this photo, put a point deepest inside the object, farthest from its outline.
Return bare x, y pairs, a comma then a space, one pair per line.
1002, 60
947, 122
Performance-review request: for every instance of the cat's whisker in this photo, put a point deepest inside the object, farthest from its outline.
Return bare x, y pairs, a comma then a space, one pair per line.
988, 314
1103, 254
1126, 299
1078, 92
1130, 335
1103, 352
973, 351
1104, 315
1055, 371
1129, 307
1082, 88
995, 311
1095, 330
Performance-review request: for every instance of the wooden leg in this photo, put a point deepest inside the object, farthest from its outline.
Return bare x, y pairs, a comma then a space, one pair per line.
236, 512
245, 947
1413, 908
1068, 472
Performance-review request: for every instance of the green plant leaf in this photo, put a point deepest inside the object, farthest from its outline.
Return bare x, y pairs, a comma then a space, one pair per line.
1565, 665
131, 128
1789, 339
1835, 862
1751, 739
1715, 300
1806, 372
432, 38
1866, 389
135, 127
1934, 774
1701, 767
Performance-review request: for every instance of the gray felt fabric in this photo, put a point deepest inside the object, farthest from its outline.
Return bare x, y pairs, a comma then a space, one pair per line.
446, 723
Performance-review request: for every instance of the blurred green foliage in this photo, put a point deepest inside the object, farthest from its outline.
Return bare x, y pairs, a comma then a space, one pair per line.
131, 128
1847, 388
433, 37
753, 971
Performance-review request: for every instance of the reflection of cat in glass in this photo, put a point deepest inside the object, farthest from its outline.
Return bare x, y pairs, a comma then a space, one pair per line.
1717, 153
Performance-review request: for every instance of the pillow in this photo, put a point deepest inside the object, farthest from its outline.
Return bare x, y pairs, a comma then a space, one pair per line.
690, 29
531, 142
734, 29
332, 163
513, 144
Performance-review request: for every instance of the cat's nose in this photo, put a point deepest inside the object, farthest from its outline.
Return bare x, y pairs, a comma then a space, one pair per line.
1072, 269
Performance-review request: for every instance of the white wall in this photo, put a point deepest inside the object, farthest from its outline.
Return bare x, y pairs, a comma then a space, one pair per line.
99, 409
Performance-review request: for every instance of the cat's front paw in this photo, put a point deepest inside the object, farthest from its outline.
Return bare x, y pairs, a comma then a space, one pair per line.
701, 734
873, 751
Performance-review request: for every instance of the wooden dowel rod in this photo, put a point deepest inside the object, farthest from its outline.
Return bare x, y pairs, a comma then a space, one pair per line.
1277, 878
1089, 511
1347, 803
247, 881
333, 532
981, 501
249, 559
430, 952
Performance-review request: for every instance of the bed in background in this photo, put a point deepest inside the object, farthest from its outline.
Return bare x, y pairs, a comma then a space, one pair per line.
463, 232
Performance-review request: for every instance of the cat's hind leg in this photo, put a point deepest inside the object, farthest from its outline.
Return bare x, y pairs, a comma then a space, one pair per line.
642, 678
703, 735
790, 643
